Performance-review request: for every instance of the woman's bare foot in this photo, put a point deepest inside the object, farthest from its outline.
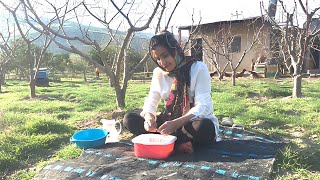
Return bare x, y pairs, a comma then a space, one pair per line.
185, 147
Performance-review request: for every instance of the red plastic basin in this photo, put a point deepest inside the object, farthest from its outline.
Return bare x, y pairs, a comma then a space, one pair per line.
153, 146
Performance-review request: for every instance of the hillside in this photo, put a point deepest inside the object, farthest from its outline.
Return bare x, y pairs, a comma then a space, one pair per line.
95, 33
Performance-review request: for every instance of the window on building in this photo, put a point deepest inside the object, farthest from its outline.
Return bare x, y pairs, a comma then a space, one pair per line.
235, 44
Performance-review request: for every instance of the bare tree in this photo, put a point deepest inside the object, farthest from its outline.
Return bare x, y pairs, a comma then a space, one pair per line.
78, 64
224, 42
216, 47
33, 58
118, 68
194, 31
7, 47
296, 41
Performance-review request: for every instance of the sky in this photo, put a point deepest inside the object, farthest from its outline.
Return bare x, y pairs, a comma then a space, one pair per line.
208, 10
217, 10
214, 10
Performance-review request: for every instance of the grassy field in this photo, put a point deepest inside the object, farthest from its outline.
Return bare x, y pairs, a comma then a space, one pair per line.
34, 132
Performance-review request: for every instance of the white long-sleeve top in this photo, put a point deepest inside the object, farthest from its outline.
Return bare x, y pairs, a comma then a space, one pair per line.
200, 92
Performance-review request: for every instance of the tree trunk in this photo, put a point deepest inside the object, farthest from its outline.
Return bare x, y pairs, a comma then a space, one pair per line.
120, 97
1, 84
84, 76
220, 74
1, 77
297, 83
297, 87
32, 85
33, 73
233, 77
110, 83
120, 93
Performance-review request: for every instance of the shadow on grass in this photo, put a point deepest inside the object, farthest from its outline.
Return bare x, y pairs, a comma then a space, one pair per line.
46, 126
63, 116
24, 151
53, 97
72, 83
35, 141
308, 152
268, 93
294, 160
302, 153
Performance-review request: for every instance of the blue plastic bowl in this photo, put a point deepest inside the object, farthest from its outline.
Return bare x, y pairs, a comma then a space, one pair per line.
89, 138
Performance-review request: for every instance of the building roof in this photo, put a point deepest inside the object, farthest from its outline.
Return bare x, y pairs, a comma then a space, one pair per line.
220, 22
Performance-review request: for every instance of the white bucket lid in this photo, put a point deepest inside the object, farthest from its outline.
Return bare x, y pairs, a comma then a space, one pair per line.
154, 139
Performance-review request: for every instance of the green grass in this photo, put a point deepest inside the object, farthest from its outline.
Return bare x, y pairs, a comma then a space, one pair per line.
262, 105
35, 132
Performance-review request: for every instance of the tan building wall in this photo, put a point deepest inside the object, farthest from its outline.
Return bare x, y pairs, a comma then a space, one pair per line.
244, 29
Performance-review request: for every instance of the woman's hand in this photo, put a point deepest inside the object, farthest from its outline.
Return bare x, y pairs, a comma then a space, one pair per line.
150, 123
169, 127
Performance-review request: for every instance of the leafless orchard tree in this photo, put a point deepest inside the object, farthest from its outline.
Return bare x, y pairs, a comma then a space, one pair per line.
193, 33
296, 41
117, 71
220, 44
216, 48
7, 52
33, 59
